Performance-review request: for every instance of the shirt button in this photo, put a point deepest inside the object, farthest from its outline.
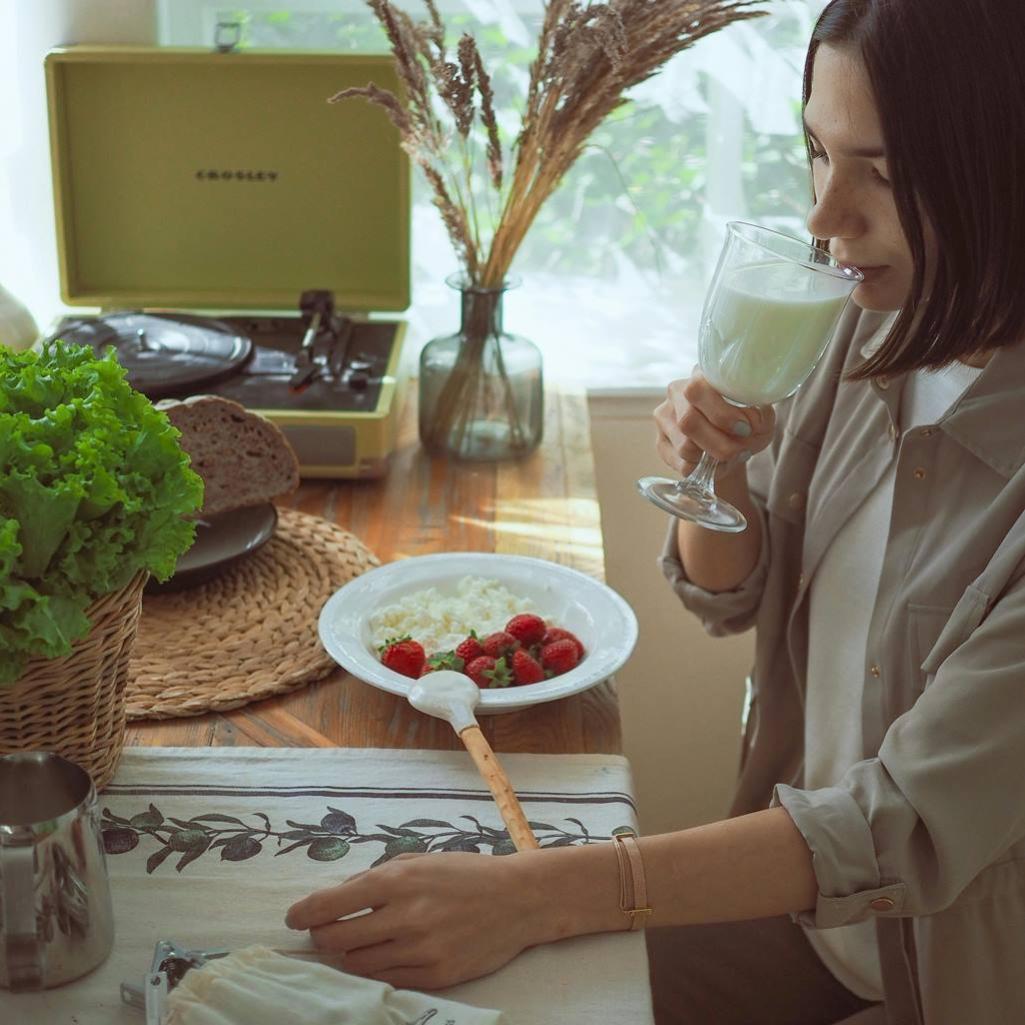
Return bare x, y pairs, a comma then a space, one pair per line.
796, 501
883, 382
882, 904
926, 432
875, 671
800, 581
893, 432
919, 474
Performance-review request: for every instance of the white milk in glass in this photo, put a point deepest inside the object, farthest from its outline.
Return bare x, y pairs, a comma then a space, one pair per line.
766, 328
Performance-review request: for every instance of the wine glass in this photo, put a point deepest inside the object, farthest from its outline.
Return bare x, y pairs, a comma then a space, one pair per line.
771, 309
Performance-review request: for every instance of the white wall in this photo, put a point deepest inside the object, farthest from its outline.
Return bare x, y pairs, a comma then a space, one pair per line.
682, 691
28, 29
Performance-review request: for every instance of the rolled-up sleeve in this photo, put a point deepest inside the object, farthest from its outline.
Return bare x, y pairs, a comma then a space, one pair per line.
907, 832
721, 612
844, 860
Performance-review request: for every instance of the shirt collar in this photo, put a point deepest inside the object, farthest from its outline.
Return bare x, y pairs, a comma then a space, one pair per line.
986, 419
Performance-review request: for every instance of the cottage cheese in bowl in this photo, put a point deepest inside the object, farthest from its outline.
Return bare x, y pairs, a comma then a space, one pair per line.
440, 621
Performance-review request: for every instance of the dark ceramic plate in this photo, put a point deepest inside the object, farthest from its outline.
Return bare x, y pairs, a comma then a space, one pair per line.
220, 542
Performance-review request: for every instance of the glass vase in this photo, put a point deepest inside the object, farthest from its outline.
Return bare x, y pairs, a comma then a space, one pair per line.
481, 390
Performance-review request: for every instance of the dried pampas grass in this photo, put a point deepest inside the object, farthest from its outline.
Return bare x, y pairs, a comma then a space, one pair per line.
588, 55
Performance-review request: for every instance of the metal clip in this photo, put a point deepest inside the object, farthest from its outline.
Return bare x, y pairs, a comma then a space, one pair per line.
168, 967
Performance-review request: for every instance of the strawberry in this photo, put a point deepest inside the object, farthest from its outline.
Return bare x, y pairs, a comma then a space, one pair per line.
527, 628
403, 655
525, 670
500, 644
443, 660
489, 672
478, 667
556, 633
560, 656
470, 648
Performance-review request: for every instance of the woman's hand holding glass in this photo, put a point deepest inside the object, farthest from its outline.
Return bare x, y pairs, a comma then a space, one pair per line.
771, 308
694, 419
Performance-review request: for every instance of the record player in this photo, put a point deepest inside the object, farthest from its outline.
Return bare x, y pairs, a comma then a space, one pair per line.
241, 236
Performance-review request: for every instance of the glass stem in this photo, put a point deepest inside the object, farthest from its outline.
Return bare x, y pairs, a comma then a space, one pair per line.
702, 477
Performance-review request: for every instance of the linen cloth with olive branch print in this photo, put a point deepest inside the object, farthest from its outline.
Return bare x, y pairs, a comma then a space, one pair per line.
209, 846
458, 818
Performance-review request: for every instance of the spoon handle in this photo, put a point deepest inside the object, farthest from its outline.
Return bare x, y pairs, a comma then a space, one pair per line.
498, 783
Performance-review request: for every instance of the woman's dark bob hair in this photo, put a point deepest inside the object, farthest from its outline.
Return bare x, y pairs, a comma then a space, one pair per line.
949, 84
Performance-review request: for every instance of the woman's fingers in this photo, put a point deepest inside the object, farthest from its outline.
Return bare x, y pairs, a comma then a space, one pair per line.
362, 930
382, 957
735, 422
764, 421
671, 455
371, 888
324, 906
692, 428
695, 418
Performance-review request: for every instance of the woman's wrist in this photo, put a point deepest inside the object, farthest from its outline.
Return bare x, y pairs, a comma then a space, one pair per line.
573, 891
753, 866
722, 562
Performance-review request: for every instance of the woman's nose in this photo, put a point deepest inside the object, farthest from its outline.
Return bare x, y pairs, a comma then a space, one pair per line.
836, 212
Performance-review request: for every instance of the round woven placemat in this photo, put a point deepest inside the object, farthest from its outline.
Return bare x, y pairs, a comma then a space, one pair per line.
249, 633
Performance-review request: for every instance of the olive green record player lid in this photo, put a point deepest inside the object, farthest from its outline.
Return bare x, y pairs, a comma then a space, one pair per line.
193, 178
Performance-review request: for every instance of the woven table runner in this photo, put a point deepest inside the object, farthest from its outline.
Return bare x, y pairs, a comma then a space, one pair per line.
249, 633
209, 846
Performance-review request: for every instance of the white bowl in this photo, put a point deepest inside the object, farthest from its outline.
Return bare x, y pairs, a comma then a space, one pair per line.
604, 622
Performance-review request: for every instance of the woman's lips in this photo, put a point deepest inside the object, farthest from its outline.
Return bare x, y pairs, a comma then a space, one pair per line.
871, 273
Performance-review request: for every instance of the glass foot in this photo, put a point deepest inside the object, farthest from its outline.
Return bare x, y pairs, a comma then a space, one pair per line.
693, 503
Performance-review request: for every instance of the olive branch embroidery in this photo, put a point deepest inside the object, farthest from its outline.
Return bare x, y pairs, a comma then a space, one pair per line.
327, 841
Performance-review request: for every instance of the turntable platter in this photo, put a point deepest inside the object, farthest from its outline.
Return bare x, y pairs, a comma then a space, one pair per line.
164, 355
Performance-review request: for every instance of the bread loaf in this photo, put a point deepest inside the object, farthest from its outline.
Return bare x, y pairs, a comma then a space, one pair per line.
243, 458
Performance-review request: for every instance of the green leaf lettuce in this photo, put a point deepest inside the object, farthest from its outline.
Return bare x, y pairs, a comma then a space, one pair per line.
93, 489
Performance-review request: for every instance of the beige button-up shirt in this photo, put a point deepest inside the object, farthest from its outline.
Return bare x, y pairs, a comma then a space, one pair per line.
927, 834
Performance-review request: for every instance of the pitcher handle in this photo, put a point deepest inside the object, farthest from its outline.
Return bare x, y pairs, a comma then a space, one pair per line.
22, 949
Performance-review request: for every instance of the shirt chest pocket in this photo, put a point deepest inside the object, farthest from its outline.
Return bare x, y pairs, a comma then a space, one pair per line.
936, 632
788, 489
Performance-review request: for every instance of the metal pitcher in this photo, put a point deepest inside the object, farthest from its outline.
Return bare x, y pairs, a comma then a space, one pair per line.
56, 919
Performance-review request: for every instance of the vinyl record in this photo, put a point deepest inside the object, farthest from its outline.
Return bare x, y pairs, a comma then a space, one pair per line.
165, 354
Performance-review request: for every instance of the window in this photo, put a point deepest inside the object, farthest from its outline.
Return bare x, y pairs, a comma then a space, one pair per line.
615, 265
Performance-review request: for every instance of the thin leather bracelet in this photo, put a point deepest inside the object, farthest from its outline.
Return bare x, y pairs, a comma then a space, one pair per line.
633, 891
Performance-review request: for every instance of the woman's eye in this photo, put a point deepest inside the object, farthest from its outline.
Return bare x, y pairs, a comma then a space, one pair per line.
819, 154
880, 177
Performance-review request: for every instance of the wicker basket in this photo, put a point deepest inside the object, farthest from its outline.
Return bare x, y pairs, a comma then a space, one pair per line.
75, 705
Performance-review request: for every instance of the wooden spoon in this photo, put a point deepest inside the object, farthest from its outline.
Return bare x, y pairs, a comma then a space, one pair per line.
453, 696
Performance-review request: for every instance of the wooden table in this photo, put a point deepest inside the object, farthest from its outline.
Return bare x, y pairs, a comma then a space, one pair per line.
545, 506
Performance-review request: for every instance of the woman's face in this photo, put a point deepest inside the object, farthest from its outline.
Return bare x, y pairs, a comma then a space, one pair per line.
855, 208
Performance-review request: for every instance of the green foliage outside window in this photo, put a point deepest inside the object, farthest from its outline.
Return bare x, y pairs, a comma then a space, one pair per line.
639, 189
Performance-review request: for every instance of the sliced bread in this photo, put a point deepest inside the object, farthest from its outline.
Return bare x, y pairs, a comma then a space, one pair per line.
243, 458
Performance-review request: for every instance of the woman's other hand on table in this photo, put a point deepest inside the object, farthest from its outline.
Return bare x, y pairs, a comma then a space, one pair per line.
694, 418
437, 919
